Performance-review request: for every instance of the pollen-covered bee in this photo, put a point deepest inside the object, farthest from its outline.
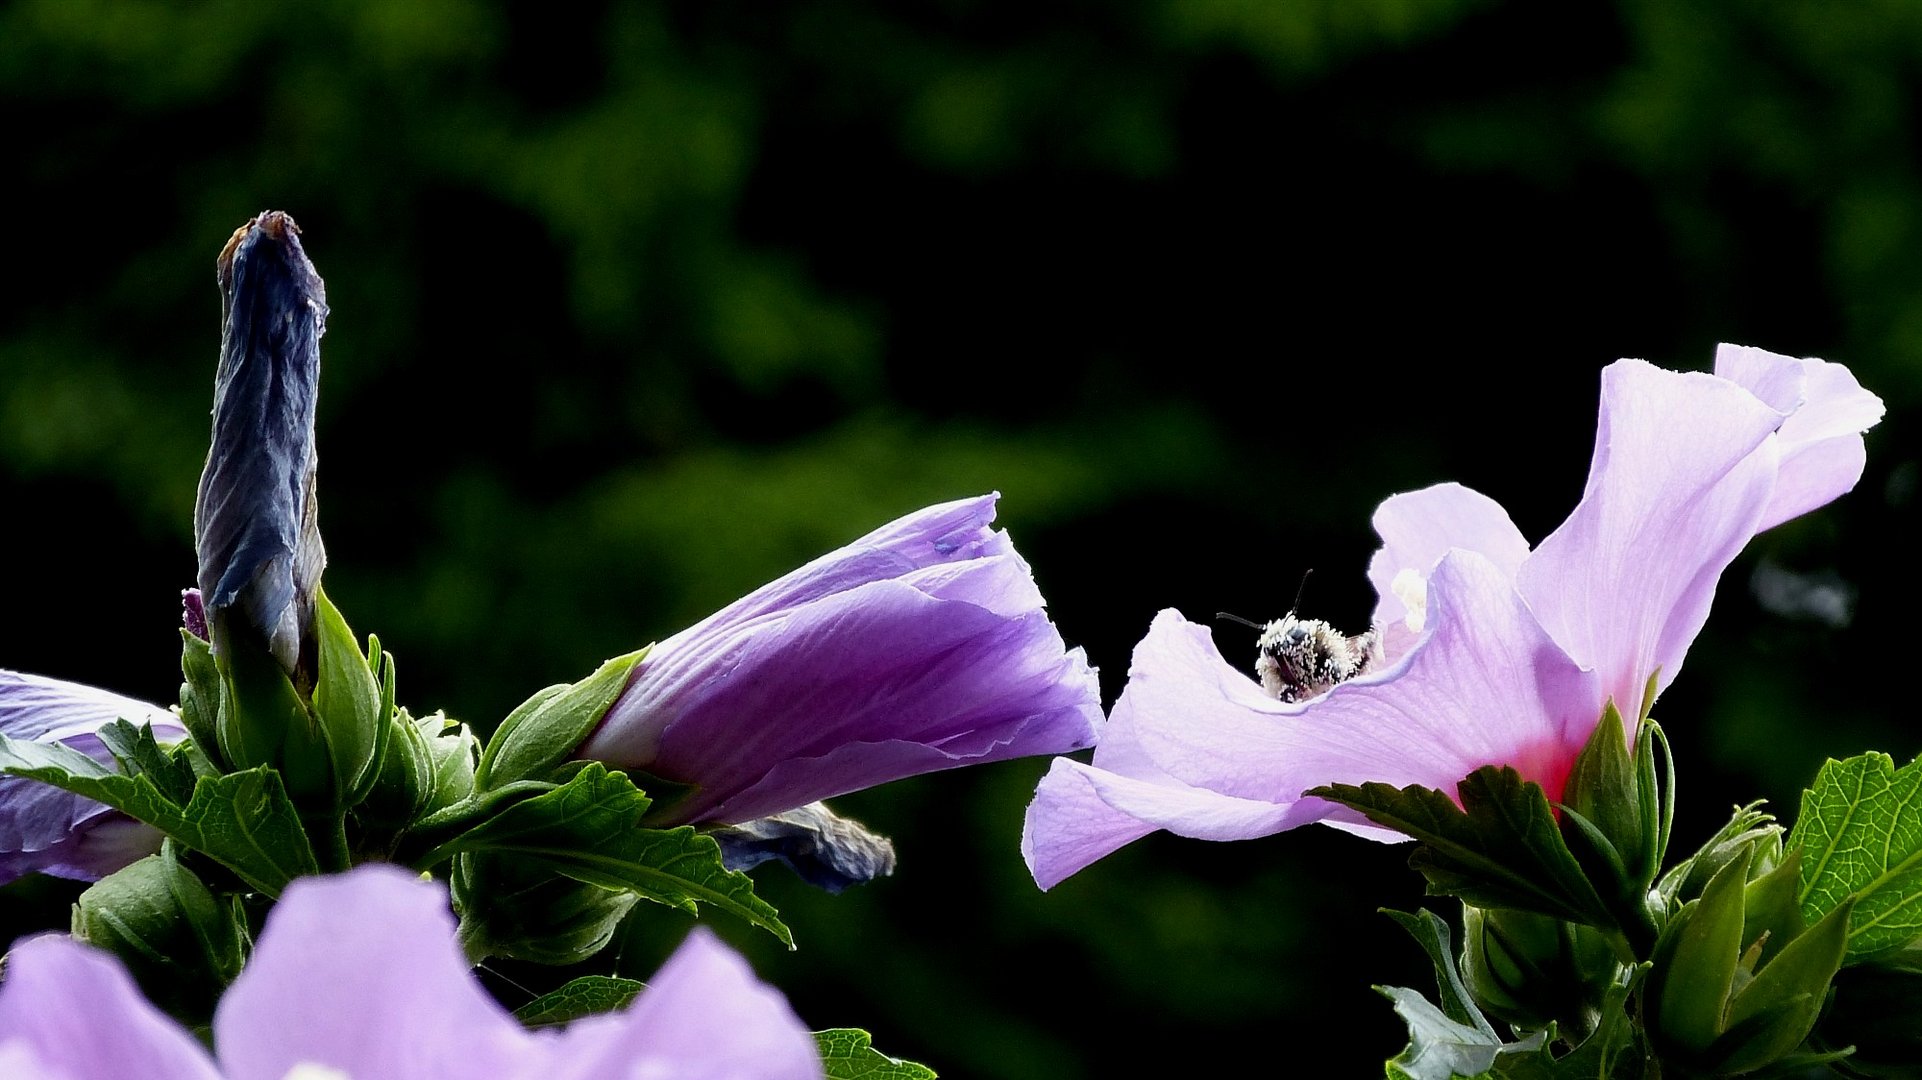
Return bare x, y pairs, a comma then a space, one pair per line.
1303, 658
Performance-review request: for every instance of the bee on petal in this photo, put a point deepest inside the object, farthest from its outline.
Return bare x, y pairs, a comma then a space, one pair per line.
1298, 659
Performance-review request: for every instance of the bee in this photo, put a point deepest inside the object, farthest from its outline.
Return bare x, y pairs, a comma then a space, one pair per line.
1298, 658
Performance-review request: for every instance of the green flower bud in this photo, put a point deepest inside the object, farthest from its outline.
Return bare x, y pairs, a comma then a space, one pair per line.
181, 944
1616, 810
326, 743
1749, 831
527, 912
1531, 970
1723, 1002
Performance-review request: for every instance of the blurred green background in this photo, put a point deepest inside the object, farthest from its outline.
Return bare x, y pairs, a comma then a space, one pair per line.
637, 306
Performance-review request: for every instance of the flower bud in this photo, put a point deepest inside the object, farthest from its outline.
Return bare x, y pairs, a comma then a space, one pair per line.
1532, 970
1723, 1003
295, 690
256, 525
428, 765
526, 912
178, 941
921, 646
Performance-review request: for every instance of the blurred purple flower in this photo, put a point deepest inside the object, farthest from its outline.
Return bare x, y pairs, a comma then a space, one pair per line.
45, 829
255, 518
359, 975
921, 646
1495, 654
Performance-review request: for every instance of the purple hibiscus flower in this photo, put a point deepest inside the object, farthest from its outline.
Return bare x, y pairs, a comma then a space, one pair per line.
1493, 653
921, 646
51, 831
360, 975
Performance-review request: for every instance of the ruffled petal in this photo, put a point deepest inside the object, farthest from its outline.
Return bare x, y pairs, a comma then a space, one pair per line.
1081, 813
1685, 466
1418, 527
360, 973
1824, 409
73, 1011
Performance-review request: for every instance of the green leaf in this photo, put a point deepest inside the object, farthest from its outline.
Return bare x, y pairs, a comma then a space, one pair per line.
1501, 848
1432, 933
584, 996
848, 1054
1441, 1049
242, 820
588, 830
140, 755
1861, 835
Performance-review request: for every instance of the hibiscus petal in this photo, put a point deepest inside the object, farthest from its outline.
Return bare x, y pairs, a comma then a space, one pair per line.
45, 829
1418, 527
703, 1016
873, 684
946, 532
1081, 814
1196, 748
360, 973
1825, 412
77, 1013
1683, 471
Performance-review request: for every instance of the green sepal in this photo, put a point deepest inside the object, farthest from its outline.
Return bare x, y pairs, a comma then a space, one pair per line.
1602, 787
264, 721
1771, 915
1750, 830
1440, 1048
243, 820
1500, 848
405, 785
1694, 964
202, 696
585, 996
1862, 839
1773, 1013
347, 703
456, 752
548, 728
589, 830
849, 1054
180, 942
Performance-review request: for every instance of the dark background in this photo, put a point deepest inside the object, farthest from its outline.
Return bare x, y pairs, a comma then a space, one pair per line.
637, 306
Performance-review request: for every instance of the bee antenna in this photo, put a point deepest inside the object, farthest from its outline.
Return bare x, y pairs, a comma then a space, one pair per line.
1249, 623
1296, 606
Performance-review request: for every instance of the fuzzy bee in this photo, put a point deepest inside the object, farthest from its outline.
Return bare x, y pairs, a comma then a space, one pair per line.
1303, 658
